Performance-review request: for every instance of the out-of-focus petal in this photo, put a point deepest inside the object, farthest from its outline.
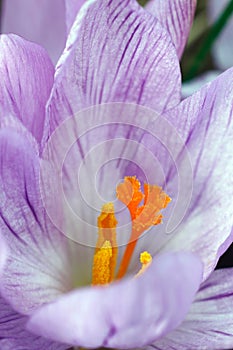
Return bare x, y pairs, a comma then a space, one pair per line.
209, 323
14, 336
36, 269
26, 81
222, 50
205, 122
42, 22
148, 307
72, 8
116, 52
176, 16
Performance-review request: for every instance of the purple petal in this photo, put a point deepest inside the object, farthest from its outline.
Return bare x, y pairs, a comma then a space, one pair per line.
205, 121
176, 16
147, 308
3, 253
36, 270
116, 52
26, 81
42, 22
14, 336
208, 324
222, 49
72, 8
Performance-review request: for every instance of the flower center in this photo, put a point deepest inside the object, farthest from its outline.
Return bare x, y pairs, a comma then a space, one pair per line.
142, 216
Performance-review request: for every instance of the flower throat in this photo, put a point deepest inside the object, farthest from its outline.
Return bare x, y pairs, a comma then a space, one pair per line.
142, 216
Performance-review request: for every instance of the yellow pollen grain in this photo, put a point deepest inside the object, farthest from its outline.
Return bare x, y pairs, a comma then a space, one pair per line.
101, 271
145, 258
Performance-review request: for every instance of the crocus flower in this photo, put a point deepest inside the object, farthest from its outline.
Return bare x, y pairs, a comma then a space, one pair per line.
116, 52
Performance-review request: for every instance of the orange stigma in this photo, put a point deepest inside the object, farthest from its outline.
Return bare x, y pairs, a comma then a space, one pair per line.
143, 216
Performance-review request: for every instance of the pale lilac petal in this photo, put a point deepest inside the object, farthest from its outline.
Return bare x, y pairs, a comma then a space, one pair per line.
116, 52
176, 16
222, 49
3, 253
36, 269
42, 22
94, 151
72, 8
7, 120
14, 336
205, 122
148, 307
26, 81
209, 323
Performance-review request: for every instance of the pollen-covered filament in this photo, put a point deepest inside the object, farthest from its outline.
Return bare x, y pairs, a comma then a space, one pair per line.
105, 258
102, 264
143, 217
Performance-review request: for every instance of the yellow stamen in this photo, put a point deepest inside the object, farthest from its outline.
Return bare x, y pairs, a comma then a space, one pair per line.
106, 238
101, 271
145, 260
144, 216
